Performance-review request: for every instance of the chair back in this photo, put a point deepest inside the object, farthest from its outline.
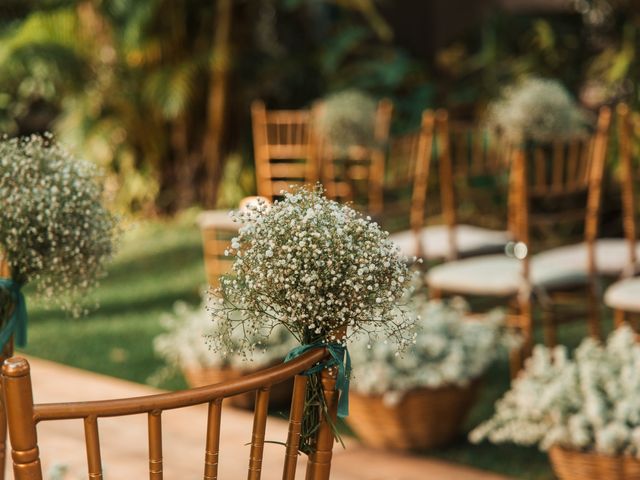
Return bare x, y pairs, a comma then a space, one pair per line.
342, 175
4, 266
628, 131
554, 173
24, 416
217, 230
284, 149
407, 177
473, 169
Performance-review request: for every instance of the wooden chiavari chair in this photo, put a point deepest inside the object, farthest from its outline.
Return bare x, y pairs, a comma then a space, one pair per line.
24, 417
365, 166
7, 352
472, 175
623, 296
554, 173
217, 229
284, 149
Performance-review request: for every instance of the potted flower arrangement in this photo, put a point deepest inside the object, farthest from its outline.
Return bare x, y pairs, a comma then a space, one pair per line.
322, 271
420, 398
54, 229
183, 347
346, 120
585, 410
536, 109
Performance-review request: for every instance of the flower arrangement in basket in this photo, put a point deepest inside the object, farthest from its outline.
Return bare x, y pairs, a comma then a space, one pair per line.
183, 347
54, 229
420, 398
323, 272
347, 119
537, 109
584, 410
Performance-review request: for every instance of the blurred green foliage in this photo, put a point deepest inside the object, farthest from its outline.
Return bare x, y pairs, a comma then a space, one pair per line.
128, 83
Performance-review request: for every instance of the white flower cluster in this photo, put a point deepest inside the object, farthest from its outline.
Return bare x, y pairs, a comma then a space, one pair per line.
536, 109
589, 403
184, 342
347, 119
318, 268
450, 349
54, 228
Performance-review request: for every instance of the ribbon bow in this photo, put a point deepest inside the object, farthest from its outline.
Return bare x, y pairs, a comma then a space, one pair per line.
18, 322
340, 358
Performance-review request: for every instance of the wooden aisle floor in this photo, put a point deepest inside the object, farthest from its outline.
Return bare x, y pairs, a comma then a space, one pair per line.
124, 440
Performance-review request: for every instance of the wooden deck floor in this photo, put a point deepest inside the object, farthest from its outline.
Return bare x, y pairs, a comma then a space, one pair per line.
124, 440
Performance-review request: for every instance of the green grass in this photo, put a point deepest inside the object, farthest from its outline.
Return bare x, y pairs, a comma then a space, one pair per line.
160, 263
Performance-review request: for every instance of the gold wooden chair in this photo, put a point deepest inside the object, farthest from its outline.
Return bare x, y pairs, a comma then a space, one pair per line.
552, 173
24, 417
473, 168
284, 149
623, 296
217, 230
361, 166
6, 353
406, 182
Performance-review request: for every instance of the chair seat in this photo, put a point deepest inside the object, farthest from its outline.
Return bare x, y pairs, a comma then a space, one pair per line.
612, 256
470, 240
217, 219
501, 276
624, 295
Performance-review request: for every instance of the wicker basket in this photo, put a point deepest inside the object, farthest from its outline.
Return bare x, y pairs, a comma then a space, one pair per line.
279, 397
424, 418
574, 465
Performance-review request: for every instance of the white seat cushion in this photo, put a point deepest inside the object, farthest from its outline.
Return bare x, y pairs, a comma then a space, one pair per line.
624, 295
499, 275
612, 256
470, 241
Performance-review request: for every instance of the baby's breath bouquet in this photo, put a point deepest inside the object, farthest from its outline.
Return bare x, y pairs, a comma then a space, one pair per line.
588, 403
347, 119
537, 109
319, 269
54, 229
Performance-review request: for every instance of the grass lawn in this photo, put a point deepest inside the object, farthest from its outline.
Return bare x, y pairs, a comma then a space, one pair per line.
160, 263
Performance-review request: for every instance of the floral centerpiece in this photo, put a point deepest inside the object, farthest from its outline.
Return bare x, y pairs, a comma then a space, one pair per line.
585, 408
538, 109
347, 119
322, 271
183, 346
54, 228
419, 399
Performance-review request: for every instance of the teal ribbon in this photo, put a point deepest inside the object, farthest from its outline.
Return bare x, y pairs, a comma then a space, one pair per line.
17, 324
339, 358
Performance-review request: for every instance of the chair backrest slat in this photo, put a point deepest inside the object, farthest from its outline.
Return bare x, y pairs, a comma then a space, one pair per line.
627, 177
92, 440
23, 416
295, 427
212, 450
284, 149
258, 433
155, 445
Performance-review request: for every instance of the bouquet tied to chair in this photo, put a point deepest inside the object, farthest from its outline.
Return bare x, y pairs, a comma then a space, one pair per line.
325, 273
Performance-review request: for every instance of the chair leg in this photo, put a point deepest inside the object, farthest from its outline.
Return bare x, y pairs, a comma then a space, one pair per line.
619, 317
593, 304
549, 327
435, 294
522, 322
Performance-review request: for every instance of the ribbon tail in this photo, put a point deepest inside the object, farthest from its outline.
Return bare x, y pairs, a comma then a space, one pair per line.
343, 381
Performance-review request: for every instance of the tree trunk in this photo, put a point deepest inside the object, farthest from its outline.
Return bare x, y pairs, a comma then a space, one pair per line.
219, 69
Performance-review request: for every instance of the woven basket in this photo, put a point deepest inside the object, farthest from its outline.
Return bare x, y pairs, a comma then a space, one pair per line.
279, 397
574, 465
424, 418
